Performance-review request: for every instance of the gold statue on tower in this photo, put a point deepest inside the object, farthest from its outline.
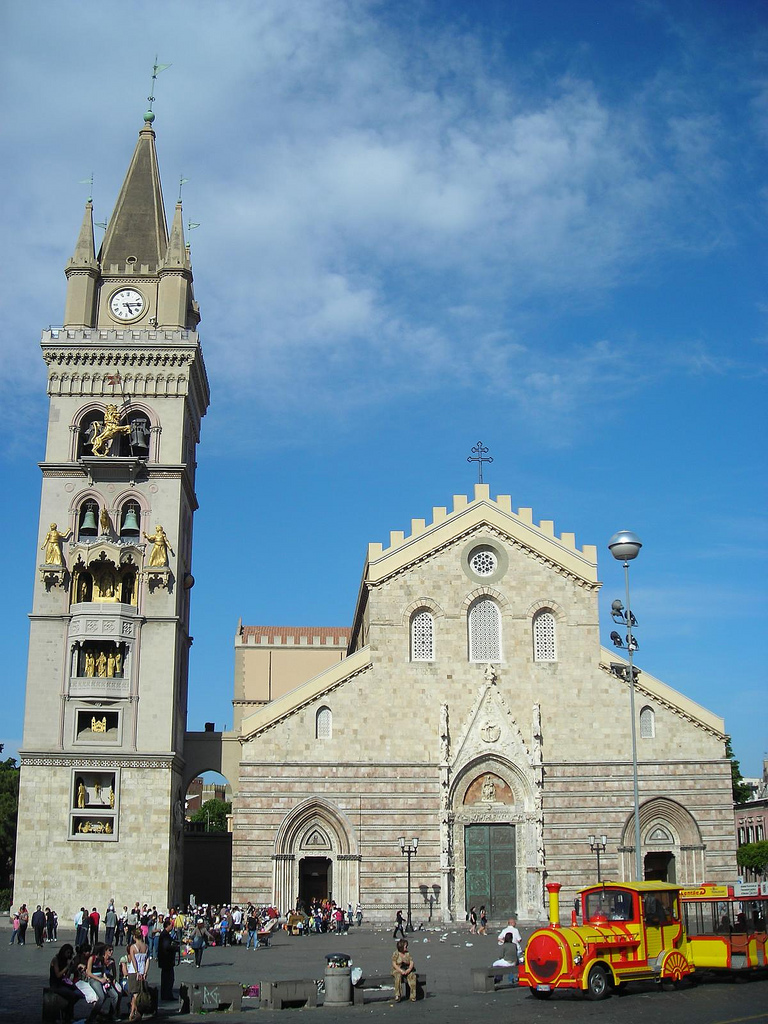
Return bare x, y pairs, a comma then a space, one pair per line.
111, 428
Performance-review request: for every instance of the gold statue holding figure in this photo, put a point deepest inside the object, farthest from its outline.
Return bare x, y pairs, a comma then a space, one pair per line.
102, 442
158, 556
52, 545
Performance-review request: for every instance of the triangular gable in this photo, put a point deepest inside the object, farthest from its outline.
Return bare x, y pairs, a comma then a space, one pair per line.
467, 516
295, 699
491, 728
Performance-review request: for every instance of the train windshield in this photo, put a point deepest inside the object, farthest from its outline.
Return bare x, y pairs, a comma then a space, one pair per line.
609, 905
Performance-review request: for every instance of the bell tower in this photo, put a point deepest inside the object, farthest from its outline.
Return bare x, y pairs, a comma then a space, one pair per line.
102, 776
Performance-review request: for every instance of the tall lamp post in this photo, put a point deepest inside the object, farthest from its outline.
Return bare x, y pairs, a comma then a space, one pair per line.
597, 845
624, 546
409, 850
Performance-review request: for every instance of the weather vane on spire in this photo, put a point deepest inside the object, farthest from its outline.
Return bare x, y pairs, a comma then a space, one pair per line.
480, 451
89, 183
182, 181
149, 117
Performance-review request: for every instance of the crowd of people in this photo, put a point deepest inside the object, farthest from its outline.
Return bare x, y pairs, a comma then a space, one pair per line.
323, 916
92, 976
44, 923
92, 982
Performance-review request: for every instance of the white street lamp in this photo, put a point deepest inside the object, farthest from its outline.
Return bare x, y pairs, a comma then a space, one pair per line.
625, 546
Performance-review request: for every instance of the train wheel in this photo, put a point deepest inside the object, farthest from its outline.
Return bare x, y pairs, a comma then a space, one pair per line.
675, 968
597, 983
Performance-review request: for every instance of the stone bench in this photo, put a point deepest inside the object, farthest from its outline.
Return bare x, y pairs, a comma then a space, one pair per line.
484, 978
216, 995
54, 1006
279, 995
371, 983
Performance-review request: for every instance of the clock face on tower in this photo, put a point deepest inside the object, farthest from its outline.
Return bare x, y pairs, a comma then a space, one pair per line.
126, 304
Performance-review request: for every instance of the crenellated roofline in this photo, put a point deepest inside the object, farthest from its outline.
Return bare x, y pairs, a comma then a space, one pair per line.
466, 515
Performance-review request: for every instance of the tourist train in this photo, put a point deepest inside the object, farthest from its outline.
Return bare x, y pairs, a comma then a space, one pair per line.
640, 931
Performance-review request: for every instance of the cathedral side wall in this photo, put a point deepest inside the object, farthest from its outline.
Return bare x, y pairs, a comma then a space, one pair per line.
595, 798
376, 803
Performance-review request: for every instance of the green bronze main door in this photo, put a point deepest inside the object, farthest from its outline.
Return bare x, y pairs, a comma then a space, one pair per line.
490, 858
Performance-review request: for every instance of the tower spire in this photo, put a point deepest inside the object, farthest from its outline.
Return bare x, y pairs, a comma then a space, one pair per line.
82, 271
137, 230
177, 250
85, 250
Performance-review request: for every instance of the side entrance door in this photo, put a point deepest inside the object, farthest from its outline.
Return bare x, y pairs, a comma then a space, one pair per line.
489, 852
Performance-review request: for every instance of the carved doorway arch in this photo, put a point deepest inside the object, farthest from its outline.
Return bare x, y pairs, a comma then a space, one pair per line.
671, 843
315, 840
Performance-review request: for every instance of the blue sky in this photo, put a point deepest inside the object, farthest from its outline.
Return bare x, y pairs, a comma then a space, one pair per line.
423, 224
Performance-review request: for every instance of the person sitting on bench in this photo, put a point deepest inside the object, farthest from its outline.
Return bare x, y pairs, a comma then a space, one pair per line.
403, 967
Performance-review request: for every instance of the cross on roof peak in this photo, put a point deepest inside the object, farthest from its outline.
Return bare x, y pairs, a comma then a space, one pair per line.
478, 456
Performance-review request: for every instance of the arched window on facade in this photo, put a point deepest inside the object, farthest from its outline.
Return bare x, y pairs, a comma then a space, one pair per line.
422, 636
484, 628
323, 724
647, 724
544, 640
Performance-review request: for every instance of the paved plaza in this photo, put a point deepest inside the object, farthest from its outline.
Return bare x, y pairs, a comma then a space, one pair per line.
445, 956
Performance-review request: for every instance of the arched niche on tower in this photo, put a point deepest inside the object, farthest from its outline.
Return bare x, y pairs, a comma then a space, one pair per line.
104, 565
129, 529
138, 432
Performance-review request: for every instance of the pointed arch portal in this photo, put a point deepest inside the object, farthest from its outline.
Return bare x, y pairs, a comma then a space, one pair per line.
316, 856
672, 847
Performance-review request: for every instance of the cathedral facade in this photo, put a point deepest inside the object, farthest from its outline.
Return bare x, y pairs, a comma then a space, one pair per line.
477, 713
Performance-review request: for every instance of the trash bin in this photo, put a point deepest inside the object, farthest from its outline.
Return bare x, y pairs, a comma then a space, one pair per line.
338, 984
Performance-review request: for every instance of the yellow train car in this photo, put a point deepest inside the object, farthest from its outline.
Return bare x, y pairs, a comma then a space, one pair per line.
726, 926
639, 931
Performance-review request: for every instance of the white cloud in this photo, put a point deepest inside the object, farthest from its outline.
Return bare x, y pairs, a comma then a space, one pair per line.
356, 184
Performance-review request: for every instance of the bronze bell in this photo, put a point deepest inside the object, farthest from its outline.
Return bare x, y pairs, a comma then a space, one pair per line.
88, 524
130, 523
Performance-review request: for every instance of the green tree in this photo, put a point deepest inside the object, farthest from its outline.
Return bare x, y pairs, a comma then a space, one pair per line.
213, 814
754, 856
9, 808
742, 791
